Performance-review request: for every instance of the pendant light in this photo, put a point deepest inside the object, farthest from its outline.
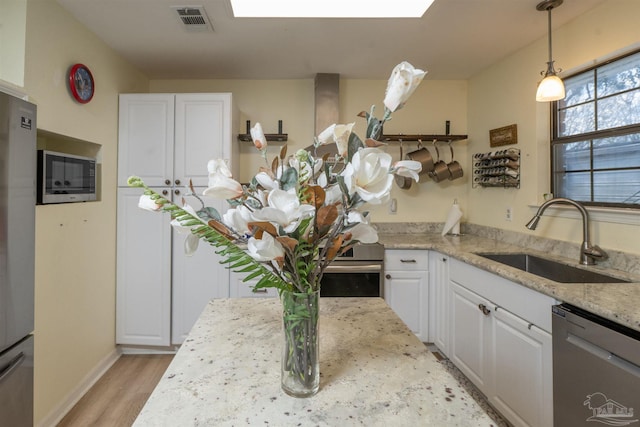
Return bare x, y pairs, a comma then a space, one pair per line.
551, 87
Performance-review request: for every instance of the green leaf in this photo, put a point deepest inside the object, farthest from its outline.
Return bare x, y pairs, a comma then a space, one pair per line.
289, 179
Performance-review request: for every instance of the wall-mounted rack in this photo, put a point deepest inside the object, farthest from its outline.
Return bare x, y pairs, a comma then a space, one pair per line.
499, 168
420, 137
278, 137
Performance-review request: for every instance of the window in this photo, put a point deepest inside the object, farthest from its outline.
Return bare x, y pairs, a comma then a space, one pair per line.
595, 144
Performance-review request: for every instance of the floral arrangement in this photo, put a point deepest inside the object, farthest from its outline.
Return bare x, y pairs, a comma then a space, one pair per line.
298, 212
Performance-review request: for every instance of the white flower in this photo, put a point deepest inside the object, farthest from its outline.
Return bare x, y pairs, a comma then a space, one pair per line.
148, 204
218, 167
191, 241
402, 83
338, 134
221, 185
284, 210
368, 175
257, 135
408, 168
265, 249
364, 233
265, 180
238, 219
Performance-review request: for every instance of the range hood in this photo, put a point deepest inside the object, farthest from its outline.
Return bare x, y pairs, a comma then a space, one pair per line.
326, 109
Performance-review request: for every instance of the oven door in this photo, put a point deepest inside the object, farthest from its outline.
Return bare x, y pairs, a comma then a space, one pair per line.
352, 279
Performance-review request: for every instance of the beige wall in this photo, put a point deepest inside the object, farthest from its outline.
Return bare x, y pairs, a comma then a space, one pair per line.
504, 94
75, 255
75, 243
267, 101
13, 15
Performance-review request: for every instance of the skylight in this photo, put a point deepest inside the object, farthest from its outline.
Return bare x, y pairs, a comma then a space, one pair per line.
329, 8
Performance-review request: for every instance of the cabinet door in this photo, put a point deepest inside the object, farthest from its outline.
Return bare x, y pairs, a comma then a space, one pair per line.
197, 278
523, 380
146, 138
143, 301
407, 292
470, 335
202, 132
439, 301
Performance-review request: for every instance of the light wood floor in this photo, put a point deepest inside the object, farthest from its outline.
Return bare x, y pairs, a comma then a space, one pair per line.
117, 398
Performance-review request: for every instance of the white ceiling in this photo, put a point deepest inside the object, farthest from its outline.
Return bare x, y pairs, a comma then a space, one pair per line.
455, 39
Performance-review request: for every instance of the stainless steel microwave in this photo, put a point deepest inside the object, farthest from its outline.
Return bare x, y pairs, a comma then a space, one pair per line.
64, 178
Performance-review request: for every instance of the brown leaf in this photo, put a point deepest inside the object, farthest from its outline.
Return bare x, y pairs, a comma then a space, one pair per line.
288, 242
334, 247
313, 195
274, 166
283, 152
325, 217
258, 227
370, 142
362, 114
220, 228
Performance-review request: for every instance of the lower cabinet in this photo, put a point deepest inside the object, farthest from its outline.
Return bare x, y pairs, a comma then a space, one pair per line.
439, 300
160, 290
406, 288
499, 337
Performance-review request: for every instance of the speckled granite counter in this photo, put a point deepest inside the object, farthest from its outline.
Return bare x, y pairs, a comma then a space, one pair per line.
374, 372
619, 302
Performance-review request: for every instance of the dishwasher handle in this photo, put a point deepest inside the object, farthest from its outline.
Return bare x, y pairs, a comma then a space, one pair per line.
604, 355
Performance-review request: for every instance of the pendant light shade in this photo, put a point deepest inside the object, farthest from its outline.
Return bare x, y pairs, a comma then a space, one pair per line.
551, 88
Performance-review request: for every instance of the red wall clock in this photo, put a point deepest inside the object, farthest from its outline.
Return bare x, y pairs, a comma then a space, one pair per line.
81, 83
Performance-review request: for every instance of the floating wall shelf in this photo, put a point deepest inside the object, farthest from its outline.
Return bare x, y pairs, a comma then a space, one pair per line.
419, 137
279, 137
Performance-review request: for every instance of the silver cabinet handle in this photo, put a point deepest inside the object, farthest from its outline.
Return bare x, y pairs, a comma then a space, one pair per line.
408, 260
483, 308
366, 268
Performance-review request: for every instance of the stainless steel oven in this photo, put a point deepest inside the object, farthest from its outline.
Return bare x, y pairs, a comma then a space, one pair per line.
357, 273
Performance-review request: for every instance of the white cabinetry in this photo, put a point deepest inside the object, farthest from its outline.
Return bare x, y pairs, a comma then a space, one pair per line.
439, 300
500, 339
406, 288
167, 139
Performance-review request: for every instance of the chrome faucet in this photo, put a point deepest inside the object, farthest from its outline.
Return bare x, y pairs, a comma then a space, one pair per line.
588, 252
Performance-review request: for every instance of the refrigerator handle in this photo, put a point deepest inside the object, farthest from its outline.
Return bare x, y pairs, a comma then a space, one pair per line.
11, 366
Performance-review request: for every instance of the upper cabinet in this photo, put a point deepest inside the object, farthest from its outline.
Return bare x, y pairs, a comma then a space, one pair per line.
175, 136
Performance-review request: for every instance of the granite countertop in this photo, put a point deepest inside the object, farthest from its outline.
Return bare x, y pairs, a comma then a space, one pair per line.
373, 371
618, 302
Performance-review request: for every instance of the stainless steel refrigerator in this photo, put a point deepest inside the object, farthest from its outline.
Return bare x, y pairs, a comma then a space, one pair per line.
17, 246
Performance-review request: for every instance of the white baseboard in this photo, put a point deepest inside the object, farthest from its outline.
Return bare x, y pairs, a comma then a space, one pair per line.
56, 415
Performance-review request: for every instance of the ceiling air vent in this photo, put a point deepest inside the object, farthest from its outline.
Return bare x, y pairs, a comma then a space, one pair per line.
193, 18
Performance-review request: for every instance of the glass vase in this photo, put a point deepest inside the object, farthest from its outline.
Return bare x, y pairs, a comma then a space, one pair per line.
300, 374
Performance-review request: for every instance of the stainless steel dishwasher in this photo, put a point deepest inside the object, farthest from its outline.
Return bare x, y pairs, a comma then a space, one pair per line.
596, 370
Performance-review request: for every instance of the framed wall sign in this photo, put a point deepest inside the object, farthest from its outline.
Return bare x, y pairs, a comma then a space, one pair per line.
506, 135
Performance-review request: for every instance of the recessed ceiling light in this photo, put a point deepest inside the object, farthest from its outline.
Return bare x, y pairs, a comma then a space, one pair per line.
329, 8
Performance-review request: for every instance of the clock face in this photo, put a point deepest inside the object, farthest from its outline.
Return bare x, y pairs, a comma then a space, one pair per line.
81, 83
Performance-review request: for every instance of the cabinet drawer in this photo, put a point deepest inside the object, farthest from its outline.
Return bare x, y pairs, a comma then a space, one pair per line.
406, 259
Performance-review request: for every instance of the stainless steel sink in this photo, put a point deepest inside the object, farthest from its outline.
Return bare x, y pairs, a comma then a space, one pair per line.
549, 269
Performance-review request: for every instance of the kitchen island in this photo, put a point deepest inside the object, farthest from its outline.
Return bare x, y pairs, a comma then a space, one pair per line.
373, 371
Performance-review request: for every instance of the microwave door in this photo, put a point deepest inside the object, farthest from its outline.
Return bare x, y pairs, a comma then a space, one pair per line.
74, 176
